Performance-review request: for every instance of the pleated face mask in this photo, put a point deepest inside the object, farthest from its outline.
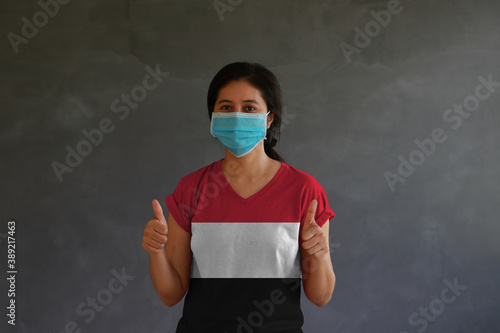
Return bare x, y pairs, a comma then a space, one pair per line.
240, 132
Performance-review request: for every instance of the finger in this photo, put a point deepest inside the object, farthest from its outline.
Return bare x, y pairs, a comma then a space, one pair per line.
160, 238
313, 235
311, 212
306, 245
151, 249
159, 212
157, 244
317, 250
309, 233
321, 252
159, 227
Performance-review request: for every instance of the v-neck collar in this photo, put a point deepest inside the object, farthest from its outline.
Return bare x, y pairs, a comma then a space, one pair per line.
254, 196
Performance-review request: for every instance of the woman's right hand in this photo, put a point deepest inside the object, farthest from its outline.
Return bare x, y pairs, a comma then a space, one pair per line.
155, 233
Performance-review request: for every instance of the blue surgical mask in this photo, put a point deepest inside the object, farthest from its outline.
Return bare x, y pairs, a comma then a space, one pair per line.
240, 132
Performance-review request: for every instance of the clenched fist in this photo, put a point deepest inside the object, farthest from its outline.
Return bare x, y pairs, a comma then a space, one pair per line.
155, 233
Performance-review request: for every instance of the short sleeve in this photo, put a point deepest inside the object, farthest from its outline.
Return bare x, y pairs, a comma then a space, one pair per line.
180, 204
313, 190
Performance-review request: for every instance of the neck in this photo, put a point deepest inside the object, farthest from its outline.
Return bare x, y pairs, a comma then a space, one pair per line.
251, 166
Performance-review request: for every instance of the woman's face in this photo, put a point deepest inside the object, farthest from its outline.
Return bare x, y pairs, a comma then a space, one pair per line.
240, 96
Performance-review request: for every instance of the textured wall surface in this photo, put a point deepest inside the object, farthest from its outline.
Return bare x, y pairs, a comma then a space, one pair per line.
393, 106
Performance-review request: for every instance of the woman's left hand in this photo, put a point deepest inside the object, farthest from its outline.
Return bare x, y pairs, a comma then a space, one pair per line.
314, 240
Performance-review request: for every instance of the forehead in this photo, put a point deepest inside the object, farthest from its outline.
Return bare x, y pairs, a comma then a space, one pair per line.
239, 90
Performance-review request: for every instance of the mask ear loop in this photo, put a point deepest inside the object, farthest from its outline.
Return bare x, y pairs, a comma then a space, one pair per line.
267, 114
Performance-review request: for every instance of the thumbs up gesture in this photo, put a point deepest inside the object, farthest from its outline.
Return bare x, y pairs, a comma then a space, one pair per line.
314, 240
155, 233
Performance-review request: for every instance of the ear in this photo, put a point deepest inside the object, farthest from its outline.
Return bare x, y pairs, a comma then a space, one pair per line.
270, 118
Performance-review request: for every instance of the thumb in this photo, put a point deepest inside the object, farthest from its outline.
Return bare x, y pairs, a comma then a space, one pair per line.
311, 212
159, 212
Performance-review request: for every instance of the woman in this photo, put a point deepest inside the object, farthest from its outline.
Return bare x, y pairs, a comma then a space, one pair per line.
244, 231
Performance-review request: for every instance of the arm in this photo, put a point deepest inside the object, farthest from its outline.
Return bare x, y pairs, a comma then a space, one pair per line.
169, 261
318, 276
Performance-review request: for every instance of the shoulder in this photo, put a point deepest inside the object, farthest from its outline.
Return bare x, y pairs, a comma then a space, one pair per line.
200, 175
301, 177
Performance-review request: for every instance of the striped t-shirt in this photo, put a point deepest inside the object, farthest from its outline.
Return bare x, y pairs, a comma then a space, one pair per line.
246, 269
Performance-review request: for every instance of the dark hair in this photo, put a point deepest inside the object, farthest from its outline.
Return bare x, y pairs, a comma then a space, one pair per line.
261, 78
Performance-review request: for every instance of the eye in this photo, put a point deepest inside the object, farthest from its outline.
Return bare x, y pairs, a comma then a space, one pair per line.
250, 108
225, 107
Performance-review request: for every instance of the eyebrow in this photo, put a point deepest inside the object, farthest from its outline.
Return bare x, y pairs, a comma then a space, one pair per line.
245, 101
